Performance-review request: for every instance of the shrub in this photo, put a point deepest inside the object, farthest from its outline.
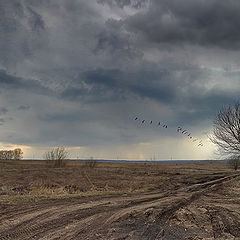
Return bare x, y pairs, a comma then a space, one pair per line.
91, 163
234, 162
57, 157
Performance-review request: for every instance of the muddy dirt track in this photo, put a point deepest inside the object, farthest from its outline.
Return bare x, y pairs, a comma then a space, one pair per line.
196, 211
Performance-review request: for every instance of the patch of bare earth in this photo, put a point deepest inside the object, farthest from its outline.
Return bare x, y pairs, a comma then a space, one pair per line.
191, 202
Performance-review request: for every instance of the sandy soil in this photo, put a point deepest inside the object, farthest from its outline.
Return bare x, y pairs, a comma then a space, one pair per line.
195, 203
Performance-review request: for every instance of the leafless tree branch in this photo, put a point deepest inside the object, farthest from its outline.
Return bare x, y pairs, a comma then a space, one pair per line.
226, 132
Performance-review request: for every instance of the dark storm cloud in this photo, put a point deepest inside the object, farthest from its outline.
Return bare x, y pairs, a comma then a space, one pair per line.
3, 110
206, 22
204, 106
180, 89
68, 117
8, 81
24, 107
213, 99
124, 3
116, 85
99, 62
14, 12
117, 42
21, 32
2, 121
35, 20
112, 39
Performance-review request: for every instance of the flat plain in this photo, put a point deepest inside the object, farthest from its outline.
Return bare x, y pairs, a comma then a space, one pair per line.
85, 200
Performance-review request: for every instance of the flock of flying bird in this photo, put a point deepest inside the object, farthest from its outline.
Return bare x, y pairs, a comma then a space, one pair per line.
179, 130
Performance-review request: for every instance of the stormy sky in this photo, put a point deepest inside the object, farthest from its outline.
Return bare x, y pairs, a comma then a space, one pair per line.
75, 73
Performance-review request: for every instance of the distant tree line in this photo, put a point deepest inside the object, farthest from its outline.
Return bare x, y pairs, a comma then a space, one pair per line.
15, 154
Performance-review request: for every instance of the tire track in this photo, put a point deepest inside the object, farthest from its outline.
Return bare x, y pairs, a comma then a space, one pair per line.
75, 216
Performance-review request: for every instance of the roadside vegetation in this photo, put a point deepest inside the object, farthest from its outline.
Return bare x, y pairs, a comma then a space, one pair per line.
34, 180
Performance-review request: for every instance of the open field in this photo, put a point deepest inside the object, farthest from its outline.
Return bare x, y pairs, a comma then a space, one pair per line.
119, 201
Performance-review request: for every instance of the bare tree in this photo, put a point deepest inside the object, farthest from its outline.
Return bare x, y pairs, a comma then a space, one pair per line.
15, 154
57, 156
226, 132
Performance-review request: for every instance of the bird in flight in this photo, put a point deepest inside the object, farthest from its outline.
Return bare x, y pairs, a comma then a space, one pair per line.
179, 129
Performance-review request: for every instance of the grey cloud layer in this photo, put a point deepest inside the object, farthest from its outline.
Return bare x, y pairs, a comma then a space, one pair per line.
124, 3
83, 66
208, 22
20, 31
116, 85
8, 81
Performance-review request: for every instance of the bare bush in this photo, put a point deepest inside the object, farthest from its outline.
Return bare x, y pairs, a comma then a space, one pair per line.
234, 162
57, 157
91, 163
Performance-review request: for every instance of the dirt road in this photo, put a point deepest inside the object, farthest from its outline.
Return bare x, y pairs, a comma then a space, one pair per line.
196, 211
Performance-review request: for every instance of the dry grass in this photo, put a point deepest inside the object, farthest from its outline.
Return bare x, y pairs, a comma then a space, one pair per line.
233, 189
36, 180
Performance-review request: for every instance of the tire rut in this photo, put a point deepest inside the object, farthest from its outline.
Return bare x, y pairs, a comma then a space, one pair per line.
111, 211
